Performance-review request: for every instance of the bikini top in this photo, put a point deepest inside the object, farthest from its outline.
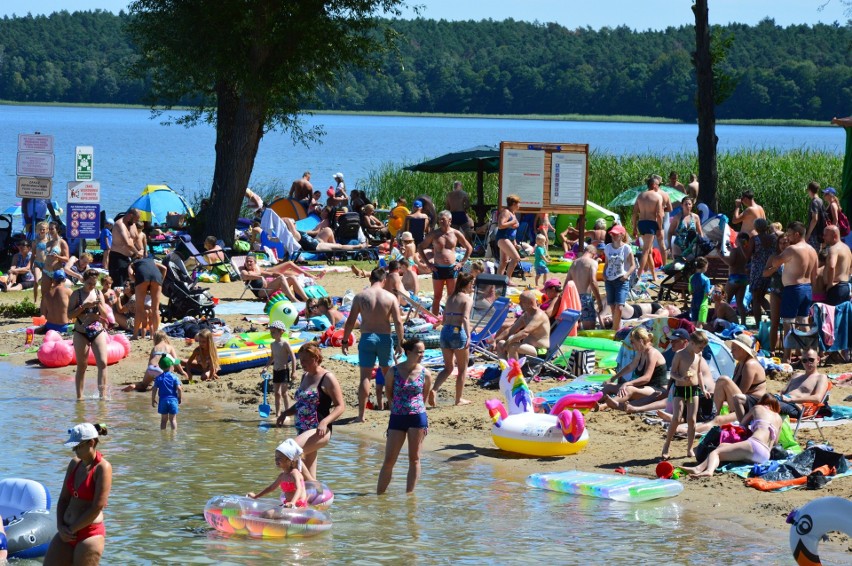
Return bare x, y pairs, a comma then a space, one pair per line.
86, 490
738, 376
41, 246
89, 310
760, 423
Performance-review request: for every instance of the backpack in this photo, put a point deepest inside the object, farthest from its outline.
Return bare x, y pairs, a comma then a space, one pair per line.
842, 224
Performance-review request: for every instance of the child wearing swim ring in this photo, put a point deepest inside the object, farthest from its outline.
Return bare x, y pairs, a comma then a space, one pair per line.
288, 458
170, 391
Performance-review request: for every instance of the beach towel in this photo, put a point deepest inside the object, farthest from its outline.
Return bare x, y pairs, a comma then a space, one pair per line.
842, 326
273, 224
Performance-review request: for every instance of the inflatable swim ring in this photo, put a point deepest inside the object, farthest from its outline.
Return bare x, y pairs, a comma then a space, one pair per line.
55, 352
560, 265
319, 495
607, 486
811, 522
27, 519
235, 514
523, 431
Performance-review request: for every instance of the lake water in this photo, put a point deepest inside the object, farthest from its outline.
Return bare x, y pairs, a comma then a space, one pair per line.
132, 149
465, 511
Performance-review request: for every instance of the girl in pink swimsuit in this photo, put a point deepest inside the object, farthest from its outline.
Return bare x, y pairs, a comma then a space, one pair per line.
764, 422
288, 458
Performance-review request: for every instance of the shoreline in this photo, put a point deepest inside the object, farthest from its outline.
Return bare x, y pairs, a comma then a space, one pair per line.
627, 119
463, 433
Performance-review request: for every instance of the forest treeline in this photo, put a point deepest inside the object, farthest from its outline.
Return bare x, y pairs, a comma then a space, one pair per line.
486, 67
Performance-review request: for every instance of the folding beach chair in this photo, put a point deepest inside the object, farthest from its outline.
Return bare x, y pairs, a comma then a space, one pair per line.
810, 413
499, 311
237, 263
558, 334
187, 250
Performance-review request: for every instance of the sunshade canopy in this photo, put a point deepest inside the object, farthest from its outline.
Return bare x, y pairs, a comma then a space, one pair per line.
157, 201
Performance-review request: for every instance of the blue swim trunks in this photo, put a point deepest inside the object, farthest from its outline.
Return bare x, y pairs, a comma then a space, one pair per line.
168, 406
648, 227
541, 269
375, 347
453, 337
795, 300
60, 328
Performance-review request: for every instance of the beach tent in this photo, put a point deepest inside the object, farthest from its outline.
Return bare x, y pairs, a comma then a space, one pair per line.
157, 201
288, 208
593, 212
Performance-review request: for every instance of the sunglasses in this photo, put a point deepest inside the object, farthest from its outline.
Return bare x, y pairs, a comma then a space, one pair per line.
808, 360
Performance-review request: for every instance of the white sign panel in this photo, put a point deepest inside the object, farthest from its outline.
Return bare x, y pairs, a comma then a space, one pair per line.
35, 142
33, 164
80, 193
523, 175
84, 163
568, 179
33, 187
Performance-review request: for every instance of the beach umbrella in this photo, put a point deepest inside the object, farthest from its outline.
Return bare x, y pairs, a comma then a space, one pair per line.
629, 196
480, 160
13, 210
157, 201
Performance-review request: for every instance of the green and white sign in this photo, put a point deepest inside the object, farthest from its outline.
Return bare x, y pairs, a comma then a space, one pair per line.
84, 163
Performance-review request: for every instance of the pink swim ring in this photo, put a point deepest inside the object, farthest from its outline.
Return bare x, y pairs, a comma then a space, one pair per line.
55, 352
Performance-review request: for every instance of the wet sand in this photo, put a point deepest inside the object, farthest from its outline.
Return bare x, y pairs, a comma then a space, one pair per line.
461, 433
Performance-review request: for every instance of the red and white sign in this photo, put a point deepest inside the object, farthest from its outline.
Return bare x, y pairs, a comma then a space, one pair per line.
33, 164
35, 142
84, 192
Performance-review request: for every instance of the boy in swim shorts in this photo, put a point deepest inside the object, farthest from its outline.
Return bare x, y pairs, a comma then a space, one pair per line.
283, 362
170, 391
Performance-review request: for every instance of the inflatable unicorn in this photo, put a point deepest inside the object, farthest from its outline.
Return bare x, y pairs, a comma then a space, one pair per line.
520, 429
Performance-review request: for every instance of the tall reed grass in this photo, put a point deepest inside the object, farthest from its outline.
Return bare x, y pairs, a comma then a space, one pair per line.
778, 179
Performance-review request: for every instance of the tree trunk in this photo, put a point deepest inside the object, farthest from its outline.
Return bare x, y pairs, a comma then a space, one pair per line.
238, 133
707, 140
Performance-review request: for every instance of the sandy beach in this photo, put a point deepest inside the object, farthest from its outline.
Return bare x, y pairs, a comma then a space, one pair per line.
617, 440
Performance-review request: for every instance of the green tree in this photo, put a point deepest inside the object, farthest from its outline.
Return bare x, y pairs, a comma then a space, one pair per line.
250, 66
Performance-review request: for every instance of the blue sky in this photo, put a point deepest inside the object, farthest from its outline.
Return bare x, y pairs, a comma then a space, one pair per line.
637, 14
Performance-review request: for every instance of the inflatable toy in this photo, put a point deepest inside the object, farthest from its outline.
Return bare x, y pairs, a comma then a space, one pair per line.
580, 401
279, 308
597, 333
56, 352
524, 431
234, 514
607, 486
811, 522
319, 495
334, 338
560, 265
232, 360
27, 519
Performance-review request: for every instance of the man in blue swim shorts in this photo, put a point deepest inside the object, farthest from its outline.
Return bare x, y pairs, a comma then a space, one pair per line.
800, 264
54, 303
648, 213
375, 346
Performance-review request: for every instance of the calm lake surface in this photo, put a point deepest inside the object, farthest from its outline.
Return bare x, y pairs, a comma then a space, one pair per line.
464, 511
132, 149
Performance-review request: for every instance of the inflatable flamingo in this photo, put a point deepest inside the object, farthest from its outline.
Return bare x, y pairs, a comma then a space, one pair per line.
519, 429
56, 352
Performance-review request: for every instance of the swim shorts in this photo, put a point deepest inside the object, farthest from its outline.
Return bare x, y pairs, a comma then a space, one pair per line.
588, 313
168, 406
738, 279
795, 300
281, 376
648, 227
837, 294
698, 313
375, 347
453, 338
308, 243
405, 422
541, 270
687, 391
444, 272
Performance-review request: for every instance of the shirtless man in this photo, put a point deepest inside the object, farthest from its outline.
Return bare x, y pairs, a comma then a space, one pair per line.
583, 273
808, 387
124, 247
800, 270
54, 303
393, 281
302, 189
409, 277
737, 274
674, 183
648, 215
692, 187
458, 202
443, 264
838, 260
378, 308
529, 335
749, 212
311, 244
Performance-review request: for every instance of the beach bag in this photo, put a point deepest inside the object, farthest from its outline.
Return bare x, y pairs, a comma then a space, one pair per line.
842, 224
581, 362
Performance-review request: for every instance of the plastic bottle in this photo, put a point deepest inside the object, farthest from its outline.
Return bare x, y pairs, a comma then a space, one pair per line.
724, 410
30, 334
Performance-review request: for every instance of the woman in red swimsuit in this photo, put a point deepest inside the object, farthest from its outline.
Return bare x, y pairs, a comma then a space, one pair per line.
79, 512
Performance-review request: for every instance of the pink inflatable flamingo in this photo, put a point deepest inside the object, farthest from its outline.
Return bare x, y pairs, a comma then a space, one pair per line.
56, 352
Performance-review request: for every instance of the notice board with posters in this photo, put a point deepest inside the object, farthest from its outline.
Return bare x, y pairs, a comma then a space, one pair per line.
548, 177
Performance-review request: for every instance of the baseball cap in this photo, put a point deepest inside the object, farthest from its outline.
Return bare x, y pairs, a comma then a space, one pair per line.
406, 237
418, 204
829, 191
80, 433
679, 334
617, 229
59, 275
552, 283
167, 362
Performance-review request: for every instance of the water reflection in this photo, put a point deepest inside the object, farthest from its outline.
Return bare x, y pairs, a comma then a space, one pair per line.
464, 511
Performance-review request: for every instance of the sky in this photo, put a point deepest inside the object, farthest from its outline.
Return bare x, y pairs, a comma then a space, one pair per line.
636, 14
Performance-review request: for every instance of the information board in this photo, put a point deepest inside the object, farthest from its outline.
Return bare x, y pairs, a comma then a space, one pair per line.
83, 220
34, 164
34, 187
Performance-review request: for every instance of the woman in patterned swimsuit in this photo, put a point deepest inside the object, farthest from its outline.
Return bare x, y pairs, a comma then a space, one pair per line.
410, 385
319, 402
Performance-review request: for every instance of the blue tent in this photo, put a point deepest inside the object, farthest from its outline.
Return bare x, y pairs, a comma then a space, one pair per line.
157, 201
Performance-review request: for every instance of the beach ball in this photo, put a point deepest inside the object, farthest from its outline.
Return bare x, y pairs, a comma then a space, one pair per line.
283, 311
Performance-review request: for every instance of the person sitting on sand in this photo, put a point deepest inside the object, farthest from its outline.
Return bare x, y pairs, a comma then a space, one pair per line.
764, 422
648, 368
323, 307
204, 360
748, 384
410, 282
75, 267
162, 347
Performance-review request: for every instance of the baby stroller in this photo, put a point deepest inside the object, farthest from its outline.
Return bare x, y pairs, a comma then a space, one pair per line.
186, 298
